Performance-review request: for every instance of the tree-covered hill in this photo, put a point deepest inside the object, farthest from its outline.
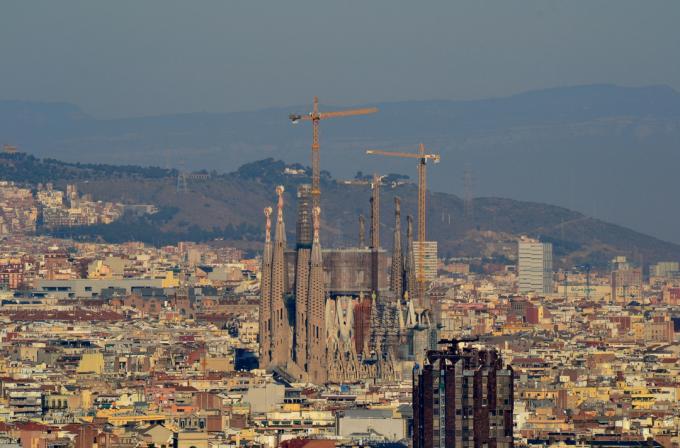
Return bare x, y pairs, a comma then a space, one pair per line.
230, 206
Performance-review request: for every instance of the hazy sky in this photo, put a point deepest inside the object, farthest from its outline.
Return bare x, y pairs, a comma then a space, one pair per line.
123, 58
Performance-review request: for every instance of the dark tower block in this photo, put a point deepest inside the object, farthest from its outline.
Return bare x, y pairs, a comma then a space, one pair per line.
462, 398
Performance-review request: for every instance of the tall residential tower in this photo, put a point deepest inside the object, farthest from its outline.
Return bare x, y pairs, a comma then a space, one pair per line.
535, 266
462, 398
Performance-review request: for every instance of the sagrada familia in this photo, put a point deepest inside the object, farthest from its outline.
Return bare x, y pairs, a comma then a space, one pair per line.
339, 315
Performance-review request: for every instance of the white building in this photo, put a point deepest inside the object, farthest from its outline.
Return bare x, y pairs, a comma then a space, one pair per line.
428, 259
535, 266
665, 269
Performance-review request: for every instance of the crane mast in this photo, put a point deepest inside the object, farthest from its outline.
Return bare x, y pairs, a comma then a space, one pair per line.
315, 117
422, 193
422, 189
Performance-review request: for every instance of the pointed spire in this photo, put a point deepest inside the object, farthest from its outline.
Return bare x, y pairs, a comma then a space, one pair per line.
315, 213
302, 266
304, 217
316, 314
280, 235
279, 205
362, 231
280, 327
265, 293
268, 227
409, 261
375, 212
396, 272
375, 232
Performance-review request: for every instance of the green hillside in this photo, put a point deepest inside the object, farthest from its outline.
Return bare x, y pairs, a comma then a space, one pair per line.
229, 206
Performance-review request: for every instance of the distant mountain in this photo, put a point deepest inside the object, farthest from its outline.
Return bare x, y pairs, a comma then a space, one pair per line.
230, 206
607, 151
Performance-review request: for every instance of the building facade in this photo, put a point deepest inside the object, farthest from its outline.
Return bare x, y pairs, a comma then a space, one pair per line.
463, 398
626, 285
426, 259
535, 266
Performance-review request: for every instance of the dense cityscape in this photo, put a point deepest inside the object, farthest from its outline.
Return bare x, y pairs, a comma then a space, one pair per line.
469, 239
205, 344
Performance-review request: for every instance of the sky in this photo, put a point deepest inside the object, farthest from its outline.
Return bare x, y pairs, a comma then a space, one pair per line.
130, 58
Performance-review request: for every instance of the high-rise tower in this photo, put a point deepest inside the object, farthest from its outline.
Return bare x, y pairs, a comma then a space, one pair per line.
463, 398
535, 266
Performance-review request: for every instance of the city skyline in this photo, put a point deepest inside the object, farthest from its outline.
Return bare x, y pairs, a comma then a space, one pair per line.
225, 267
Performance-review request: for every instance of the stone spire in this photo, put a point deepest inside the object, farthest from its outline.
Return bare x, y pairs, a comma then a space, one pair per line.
265, 292
304, 243
397, 270
304, 218
280, 332
316, 310
301, 297
375, 212
375, 232
409, 261
362, 231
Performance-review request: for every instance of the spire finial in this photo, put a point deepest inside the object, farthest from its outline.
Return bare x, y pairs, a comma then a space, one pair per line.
316, 212
268, 229
279, 192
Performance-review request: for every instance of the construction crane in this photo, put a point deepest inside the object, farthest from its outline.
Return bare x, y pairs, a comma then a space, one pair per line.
315, 117
422, 190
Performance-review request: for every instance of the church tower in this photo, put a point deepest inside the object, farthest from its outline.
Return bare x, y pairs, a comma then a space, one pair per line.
304, 243
410, 262
397, 269
280, 329
316, 311
265, 293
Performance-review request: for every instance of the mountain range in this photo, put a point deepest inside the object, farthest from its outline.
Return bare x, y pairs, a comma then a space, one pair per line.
606, 151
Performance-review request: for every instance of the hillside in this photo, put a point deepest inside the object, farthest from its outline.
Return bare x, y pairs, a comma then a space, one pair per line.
603, 150
229, 206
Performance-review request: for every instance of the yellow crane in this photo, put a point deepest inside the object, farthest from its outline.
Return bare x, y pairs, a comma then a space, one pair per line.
315, 117
422, 190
